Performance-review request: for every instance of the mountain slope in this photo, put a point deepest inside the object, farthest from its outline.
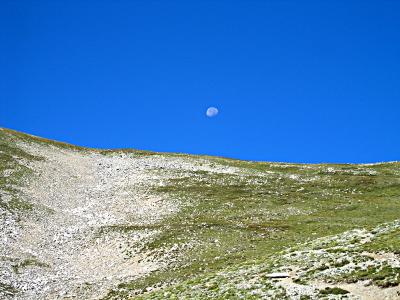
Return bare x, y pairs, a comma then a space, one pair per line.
79, 223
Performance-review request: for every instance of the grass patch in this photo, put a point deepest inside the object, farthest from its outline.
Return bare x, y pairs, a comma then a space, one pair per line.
30, 262
14, 174
388, 243
333, 291
7, 289
383, 276
266, 208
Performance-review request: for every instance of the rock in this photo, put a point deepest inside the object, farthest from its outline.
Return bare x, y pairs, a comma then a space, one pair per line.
368, 282
277, 275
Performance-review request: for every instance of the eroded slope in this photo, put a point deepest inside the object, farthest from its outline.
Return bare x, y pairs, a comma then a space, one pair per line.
67, 237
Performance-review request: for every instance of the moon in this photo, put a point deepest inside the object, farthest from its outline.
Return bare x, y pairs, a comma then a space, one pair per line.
212, 112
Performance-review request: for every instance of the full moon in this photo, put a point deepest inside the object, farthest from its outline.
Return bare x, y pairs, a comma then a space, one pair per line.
212, 112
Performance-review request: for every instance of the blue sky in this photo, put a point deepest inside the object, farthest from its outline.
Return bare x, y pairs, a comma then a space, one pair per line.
298, 81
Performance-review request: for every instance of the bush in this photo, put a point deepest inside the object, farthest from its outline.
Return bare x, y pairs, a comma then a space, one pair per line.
334, 291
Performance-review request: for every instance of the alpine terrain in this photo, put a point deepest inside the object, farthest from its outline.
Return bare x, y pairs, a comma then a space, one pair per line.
81, 223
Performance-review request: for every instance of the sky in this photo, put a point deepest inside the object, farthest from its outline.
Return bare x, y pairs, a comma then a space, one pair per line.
293, 81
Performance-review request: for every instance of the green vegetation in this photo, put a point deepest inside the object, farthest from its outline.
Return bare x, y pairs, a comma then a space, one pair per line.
7, 289
388, 243
333, 291
12, 135
13, 173
236, 217
31, 262
248, 280
383, 276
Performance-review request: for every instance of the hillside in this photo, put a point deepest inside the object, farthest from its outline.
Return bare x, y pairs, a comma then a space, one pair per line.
80, 223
